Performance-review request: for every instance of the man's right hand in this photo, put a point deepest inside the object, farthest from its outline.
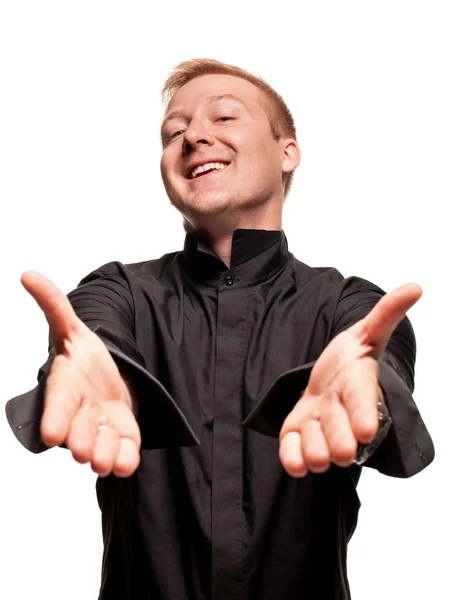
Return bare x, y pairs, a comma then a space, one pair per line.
87, 404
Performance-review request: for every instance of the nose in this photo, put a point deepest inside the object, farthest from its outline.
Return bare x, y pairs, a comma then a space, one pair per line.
196, 135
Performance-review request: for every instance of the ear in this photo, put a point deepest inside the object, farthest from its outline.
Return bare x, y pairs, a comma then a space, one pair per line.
291, 155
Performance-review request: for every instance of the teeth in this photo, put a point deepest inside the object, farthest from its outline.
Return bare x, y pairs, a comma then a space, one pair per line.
206, 167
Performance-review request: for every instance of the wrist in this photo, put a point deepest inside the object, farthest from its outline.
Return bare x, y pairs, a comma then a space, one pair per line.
129, 397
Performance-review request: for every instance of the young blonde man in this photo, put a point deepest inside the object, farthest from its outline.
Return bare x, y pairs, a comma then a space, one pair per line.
223, 392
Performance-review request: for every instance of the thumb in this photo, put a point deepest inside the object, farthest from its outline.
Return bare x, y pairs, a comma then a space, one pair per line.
58, 311
377, 327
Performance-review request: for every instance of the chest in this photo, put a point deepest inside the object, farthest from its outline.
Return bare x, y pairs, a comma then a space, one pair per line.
231, 341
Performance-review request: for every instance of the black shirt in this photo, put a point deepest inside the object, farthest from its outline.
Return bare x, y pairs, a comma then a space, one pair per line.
221, 356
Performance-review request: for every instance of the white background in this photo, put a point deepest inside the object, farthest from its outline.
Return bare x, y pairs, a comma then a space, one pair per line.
373, 87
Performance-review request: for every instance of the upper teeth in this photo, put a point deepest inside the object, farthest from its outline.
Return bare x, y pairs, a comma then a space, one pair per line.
206, 167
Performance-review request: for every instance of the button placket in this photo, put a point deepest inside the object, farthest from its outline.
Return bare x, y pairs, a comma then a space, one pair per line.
227, 512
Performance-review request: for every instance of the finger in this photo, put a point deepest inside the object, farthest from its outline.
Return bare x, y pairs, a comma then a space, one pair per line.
105, 450
338, 433
57, 308
83, 433
291, 454
359, 396
62, 400
377, 327
128, 458
121, 417
314, 446
305, 408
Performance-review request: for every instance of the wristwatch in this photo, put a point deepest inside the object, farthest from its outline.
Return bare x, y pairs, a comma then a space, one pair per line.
364, 451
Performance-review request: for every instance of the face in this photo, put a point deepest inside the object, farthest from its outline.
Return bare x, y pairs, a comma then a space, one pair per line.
219, 153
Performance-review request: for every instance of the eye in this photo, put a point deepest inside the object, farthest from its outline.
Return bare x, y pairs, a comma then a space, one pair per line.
224, 119
176, 133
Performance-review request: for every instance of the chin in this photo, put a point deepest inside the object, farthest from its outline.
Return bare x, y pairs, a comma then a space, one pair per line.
207, 203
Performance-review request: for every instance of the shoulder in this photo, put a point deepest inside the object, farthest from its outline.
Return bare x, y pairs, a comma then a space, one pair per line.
345, 299
330, 278
128, 273
306, 275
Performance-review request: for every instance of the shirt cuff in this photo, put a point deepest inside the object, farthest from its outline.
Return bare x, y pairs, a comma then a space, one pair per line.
406, 450
161, 422
269, 414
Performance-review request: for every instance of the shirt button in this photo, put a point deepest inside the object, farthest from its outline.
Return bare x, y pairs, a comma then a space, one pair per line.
229, 280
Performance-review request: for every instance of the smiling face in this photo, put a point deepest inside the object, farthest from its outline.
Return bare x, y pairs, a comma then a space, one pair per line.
219, 153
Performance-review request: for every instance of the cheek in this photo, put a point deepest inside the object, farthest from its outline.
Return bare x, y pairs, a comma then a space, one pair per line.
163, 166
258, 147
261, 160
167, 166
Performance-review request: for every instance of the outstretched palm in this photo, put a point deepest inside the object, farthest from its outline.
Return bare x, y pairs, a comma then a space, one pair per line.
86, 400
339, 407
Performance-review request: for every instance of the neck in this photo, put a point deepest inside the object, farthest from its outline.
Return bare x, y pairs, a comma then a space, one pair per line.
218, 233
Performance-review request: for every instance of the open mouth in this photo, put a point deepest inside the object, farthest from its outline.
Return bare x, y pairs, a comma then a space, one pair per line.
206, 169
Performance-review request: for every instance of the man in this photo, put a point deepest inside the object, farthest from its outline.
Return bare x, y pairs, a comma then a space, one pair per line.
235, 343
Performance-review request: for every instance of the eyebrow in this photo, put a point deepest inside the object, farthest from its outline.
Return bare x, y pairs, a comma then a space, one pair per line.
177, 114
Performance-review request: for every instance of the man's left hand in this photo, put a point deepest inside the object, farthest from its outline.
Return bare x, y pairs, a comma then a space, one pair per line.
338, 409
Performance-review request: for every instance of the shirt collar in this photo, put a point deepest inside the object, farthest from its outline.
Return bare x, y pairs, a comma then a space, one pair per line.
256, 254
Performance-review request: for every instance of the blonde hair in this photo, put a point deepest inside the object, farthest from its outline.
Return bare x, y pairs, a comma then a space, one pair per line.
279, 115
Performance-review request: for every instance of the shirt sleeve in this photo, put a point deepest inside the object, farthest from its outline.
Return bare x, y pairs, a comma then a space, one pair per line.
407, 448
103, 301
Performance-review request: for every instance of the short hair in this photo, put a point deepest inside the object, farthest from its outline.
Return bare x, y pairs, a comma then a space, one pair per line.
278, 113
